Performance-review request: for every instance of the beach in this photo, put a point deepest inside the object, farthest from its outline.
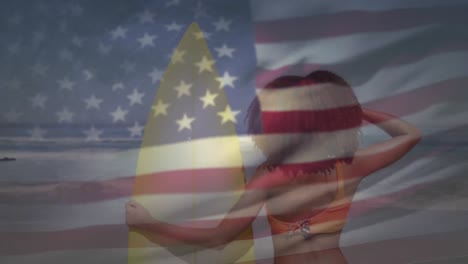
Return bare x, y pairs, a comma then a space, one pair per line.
423, 196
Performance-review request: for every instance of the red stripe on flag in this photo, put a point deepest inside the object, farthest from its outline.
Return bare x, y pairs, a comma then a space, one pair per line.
302, 121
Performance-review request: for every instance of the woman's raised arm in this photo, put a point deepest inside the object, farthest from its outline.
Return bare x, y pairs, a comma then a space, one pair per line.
404, 137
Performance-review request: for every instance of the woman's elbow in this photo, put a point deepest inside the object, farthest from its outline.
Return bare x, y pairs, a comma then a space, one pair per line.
411, 141
217, 244
416, 136
220, 240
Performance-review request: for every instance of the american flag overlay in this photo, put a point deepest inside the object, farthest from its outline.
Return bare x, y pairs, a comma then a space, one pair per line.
107, 101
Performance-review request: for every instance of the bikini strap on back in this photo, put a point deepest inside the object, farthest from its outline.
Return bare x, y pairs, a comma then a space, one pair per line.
340, 194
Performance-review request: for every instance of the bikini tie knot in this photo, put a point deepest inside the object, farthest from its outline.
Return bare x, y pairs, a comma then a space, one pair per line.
303, 226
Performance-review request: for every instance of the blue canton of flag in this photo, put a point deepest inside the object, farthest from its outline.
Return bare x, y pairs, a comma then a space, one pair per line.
87, 70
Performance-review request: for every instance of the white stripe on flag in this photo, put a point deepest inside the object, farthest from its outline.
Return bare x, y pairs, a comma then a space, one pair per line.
328, 50
402, 78
441, 117
194, 154
310, 97
401, 179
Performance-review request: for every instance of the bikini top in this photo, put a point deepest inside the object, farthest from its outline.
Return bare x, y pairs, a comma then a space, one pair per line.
330, 220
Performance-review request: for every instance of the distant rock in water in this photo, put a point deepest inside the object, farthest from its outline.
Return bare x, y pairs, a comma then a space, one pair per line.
7, 159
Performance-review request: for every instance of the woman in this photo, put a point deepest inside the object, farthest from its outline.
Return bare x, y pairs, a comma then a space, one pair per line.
308, 128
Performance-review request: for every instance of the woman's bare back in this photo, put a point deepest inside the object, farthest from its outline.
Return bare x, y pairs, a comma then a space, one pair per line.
304, 199
307, 197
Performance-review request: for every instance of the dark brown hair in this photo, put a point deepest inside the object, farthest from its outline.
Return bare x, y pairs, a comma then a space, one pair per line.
346, 146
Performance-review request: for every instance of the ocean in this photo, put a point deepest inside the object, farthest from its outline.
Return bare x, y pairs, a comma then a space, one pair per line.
440, 206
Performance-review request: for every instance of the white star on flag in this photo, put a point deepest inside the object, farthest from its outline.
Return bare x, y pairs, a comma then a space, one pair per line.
128, 67
224, 51
93, 102
93, 134
135, 97
118, 86
185, 122
226, 80
228, 115
147, 40
160, 108
136, 130
66, 84
183, 89
119, 32
119, 114
208, 99
39, 101
205, 65
177, 56
222, 24
65, 116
